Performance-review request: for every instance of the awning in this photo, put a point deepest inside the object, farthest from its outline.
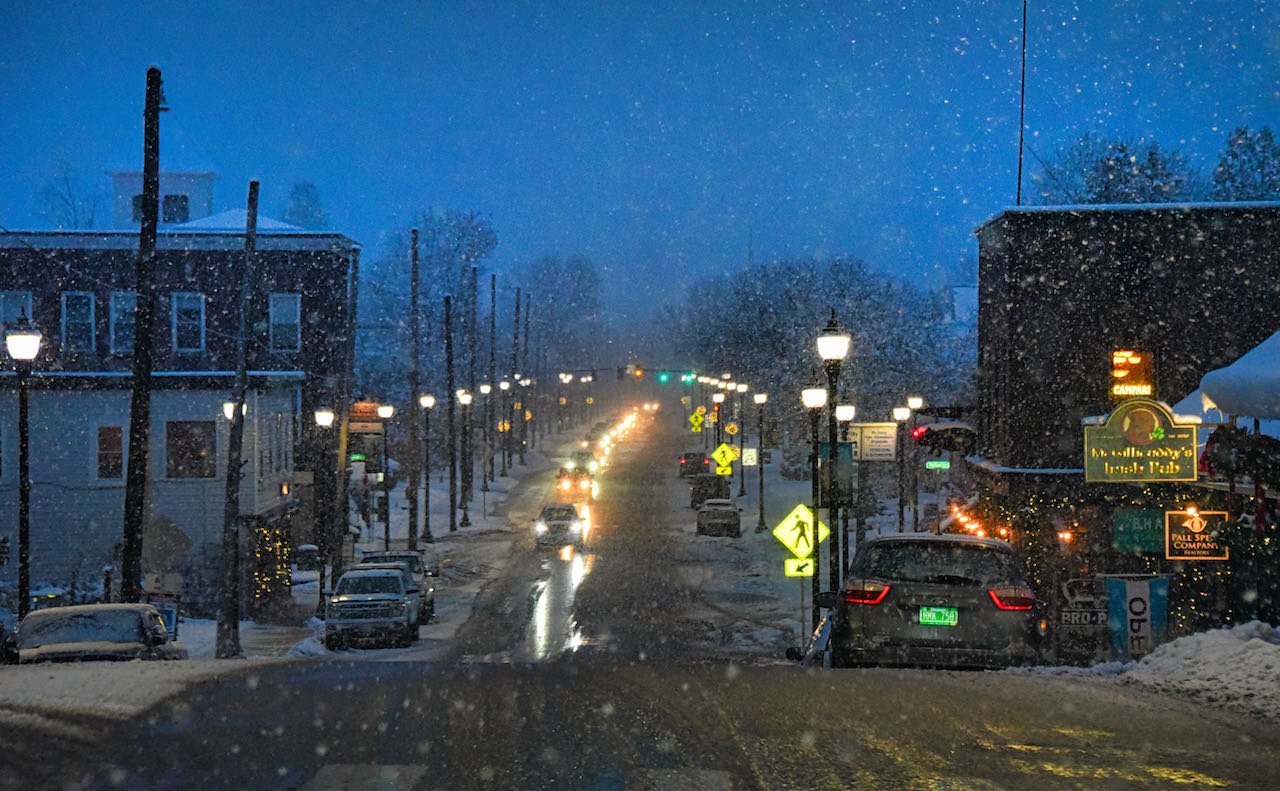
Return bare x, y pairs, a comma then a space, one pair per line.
1250, 386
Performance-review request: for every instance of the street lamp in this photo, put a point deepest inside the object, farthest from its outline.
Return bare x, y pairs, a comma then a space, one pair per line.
486, 470
426, 402
833, 346
739, 413
814, 399
523, 408
504, 386
916, 403
324, 417
718, 399
22, 339
385, 412
760, 399
464, 398
901, 414
844, 416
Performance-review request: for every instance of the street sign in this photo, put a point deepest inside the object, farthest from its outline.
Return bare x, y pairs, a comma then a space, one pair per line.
725, 470
723, 455
795, 531
696, 429
877, 441
798, 567
712, 417
750, 457
696, 419
937, 464
702, 409
361, 427
731, 428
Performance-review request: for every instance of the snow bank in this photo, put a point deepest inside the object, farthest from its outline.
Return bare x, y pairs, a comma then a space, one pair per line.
1236, 668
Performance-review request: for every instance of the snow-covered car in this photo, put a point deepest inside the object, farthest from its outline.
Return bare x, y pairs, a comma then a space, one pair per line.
694, 463
92, 632
935, 601
424, 599
375, 603
558, 525
718, 517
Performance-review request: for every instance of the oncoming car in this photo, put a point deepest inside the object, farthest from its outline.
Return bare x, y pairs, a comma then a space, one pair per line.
935, 601
558, 525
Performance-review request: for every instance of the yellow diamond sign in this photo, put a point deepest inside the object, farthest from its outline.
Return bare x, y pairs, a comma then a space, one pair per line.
723, 455
795, 531
696, 419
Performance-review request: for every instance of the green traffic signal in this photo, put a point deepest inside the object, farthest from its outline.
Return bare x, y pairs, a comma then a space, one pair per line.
664, 377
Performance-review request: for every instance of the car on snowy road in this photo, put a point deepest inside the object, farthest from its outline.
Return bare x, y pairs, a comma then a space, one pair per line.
935, 601
92, 632
559, 525
719, 518
373, 603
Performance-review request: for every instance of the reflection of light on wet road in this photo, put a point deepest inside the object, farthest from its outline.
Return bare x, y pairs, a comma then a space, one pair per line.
552, 629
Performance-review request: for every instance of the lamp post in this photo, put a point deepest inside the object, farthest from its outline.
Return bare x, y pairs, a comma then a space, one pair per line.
915, 403
901, 415
23, 342
741, 413
324, 417
464, 398
844, 416
760, 399
505, 451
486, 469
833, 346
814, 399
385, 412
426, 402
521, 410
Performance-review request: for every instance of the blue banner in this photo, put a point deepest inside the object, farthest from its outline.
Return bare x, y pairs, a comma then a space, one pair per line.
1138, 615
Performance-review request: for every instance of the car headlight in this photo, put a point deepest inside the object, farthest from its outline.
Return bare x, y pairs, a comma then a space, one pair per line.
575, 526
593, 466
540, 527
565, 484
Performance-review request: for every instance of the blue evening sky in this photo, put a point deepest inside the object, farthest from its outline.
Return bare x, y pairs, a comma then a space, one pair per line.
651, 137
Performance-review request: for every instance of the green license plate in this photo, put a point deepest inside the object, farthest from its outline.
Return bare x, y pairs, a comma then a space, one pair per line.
939, 616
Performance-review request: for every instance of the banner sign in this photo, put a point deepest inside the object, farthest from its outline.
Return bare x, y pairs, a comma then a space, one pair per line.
1138, 615
1194, 535
1140, 442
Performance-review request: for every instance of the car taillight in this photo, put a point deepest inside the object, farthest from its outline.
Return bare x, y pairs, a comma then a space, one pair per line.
866, 592
1013, 597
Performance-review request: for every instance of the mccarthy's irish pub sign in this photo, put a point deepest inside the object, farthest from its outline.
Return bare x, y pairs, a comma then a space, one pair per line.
1140, 442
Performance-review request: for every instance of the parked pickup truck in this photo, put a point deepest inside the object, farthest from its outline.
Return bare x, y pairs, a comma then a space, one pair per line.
374, 603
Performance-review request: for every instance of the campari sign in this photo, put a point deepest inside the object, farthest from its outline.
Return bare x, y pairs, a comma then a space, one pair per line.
1140, 442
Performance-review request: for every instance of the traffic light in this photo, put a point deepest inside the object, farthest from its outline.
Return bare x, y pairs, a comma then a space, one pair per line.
687, 377
663, 377
638, 372
948, 436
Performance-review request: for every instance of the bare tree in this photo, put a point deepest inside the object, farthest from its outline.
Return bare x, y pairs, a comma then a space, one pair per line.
70, 201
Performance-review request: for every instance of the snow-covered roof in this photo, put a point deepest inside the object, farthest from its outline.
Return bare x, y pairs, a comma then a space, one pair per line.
1094, 208
182, 237
1250, 385
233, 220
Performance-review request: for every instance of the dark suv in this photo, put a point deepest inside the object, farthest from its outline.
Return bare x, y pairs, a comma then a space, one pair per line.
694, 463
938, 601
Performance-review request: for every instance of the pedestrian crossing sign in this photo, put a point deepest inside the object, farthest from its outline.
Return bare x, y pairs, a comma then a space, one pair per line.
795, 531
724, 455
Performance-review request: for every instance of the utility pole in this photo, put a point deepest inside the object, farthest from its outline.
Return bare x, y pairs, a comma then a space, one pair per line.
415, 331
228, 636
493, 369
524, 366
451, 398
515, 383
136, 484
473, 336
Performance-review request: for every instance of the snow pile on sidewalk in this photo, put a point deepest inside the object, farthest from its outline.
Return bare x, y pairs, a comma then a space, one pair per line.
1236, 667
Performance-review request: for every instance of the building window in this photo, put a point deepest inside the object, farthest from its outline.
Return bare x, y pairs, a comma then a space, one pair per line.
110, 452
175, 209
189, 449
188, 321
14, 304
137, 208
124, 307
286, 322
77, 321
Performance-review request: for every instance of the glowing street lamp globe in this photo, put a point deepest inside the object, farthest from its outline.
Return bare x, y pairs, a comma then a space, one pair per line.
813, 397
385, 411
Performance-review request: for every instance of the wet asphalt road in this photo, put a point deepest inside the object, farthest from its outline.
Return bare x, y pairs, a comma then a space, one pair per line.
575, 673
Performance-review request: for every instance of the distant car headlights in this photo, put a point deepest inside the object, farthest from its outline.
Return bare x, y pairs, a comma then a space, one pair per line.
593, 466
540, 527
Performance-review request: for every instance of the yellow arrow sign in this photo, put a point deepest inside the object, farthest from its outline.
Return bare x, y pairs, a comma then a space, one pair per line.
798, 567
723, 454
724, 471
795, 531
696, 429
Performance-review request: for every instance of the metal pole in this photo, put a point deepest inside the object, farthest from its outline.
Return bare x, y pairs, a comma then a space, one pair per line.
742, 436
813, 477
902, 496
846, 558
386, 489
426, 477
915, 478
833, 506
466, 440
760, 526
24, 491
415, 452
451, 398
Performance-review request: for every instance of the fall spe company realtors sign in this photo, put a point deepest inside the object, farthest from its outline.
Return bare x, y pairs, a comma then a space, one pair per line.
1140, 442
